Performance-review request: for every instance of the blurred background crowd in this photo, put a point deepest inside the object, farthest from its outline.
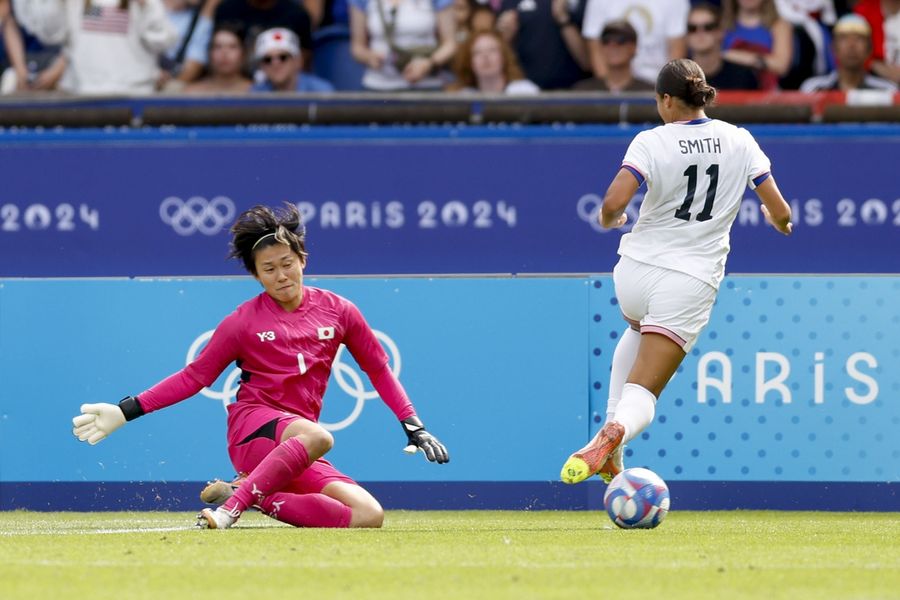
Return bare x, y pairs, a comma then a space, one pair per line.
514, 47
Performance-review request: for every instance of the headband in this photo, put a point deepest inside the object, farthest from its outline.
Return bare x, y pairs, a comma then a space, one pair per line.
261, 239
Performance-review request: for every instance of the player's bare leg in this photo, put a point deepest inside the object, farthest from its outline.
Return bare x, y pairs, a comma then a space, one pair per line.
657, 360
367, 512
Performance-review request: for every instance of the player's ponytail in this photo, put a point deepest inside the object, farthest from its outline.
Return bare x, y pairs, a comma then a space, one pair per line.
684, 79
259, 227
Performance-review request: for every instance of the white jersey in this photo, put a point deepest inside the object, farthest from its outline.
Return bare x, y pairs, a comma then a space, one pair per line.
696, 174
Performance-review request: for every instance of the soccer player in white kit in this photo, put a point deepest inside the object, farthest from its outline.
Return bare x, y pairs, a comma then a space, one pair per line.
284, 340
673, 260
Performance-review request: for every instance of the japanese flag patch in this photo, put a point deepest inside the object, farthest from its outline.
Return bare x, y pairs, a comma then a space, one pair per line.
326, 333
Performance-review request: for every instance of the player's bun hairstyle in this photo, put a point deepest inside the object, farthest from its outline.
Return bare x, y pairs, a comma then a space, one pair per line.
260, 227
684, 79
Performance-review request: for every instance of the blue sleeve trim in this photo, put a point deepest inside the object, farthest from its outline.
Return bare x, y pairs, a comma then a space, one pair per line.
636, 173
760, 178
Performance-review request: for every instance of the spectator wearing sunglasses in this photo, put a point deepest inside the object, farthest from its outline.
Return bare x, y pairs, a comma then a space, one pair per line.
704, 41
281, 64
618, 42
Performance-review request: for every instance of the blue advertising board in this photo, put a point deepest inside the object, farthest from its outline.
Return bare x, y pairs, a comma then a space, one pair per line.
410, 201
789, 399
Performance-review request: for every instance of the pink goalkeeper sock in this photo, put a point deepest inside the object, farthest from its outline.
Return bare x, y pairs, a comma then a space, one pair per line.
306, 510
288, 460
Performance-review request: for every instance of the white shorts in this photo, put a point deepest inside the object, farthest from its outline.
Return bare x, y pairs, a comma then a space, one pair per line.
663, 301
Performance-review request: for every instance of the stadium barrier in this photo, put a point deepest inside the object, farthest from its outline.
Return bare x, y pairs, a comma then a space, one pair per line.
788, 400
355, 108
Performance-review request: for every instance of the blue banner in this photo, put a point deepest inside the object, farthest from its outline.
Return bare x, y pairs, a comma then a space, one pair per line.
406, 201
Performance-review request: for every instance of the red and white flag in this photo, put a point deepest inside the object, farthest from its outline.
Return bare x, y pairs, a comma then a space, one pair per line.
105, 19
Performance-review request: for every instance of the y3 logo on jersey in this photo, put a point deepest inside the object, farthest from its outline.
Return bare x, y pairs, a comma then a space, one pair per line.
266, 336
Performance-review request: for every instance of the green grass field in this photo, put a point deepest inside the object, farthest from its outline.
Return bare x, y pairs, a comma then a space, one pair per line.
471, 555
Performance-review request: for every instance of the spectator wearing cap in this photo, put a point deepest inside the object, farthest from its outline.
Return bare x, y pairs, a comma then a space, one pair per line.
704, 40
852, 45
281, 64
257, 16
660, 25
618, 41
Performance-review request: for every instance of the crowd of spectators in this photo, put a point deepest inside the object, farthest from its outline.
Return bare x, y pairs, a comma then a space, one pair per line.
488, 46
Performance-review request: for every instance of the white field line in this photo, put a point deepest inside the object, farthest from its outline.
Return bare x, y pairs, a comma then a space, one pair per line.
48, 531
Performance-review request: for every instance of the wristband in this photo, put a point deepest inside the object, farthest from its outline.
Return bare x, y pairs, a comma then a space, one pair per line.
131, 408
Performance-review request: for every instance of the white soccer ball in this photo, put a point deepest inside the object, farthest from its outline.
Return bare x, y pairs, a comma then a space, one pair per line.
637, 499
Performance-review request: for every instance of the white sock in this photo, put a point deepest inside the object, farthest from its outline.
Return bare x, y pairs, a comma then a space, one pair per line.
635, 410
623, 359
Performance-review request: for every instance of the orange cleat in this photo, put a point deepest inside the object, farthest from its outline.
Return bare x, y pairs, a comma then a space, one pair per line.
590, 459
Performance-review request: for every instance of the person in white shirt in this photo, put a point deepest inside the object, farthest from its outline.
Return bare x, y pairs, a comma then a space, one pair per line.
673, 260
661, 26
404, 44
111, 46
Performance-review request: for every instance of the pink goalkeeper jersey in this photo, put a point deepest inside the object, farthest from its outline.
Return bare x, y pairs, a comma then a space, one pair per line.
285, 358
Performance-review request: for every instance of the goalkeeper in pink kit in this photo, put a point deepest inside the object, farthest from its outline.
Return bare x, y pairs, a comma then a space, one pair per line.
284, 341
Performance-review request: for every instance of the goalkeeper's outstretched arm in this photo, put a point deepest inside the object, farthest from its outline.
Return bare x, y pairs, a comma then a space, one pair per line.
97, 421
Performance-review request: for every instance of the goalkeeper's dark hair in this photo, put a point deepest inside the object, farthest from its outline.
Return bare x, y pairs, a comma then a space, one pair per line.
261, 226
684, 79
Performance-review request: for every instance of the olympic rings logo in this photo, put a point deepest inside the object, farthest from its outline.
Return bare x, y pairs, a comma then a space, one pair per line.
197, 213
348, 378
588, 209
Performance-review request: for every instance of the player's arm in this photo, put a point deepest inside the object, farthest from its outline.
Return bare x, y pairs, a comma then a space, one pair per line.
366, 349
618, 195
775, 208
97, 421
418, 438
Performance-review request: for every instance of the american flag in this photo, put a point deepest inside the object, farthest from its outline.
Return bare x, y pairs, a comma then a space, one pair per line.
105, 19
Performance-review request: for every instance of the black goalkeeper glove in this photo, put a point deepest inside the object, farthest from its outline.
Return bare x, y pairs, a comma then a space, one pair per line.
419, 439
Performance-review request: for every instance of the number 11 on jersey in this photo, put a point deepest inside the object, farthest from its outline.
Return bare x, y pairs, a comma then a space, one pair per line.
683, 212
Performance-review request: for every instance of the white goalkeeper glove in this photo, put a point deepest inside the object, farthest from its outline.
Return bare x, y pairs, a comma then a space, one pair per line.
97, 421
